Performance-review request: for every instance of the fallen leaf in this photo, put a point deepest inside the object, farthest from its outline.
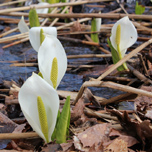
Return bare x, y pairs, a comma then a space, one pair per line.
88, 96
66, 146
141, 131
143, 103
94, 135
120, 135
76, 27
77, 111
118, 145
51, 148
78, 145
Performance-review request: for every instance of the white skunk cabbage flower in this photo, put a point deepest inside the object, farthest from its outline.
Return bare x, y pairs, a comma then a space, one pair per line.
123, 35
98, 23
34, 35
39, 102
43, 10
23, 28
52, 60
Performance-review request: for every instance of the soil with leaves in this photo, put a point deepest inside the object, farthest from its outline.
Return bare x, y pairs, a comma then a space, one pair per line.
110, 115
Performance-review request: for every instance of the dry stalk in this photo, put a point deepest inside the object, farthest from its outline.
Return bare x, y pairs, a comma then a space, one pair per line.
18, 135
112, 85
99, 115
101, 48
116, 99
16, 42
13, 2
96, 15
56, 19
139, 75
50, 6
89, 56
78, 41
14, 37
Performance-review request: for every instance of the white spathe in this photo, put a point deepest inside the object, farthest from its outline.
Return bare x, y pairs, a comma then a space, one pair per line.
34, 35
51, 48
33, 87
128, 34
42, 10
23, 28
98, 23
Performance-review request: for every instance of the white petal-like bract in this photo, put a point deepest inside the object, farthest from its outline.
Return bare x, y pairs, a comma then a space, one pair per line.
128, 34
98, 23
34, 35
33, 87
23, 28
52, 48
42, 10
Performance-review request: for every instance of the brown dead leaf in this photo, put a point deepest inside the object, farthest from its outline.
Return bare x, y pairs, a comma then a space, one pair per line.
94, 135
141, 131
78, 145
118, 145
128, 139
28, 144
88, 96
77, 114
66, 146
144, 102
77, 111
51, 148
76, 27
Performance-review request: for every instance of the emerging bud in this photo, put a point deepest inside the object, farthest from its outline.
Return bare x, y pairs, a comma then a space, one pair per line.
33, 18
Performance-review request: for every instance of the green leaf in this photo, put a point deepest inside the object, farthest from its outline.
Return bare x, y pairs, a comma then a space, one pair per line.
53, 137
52, 1
115, 56
94, 36
139, 9
63, 123
33, 18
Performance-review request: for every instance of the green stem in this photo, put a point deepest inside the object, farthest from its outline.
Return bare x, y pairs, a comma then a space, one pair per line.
120, 57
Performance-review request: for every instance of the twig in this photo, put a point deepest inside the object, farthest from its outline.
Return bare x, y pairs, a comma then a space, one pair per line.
139, 75
113, 86
50, 5
11, 3
91, 15
18, 135
89, 56
78, 41
116, 99
99, 115
102, 49
14, 37
71, 23
63, 11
